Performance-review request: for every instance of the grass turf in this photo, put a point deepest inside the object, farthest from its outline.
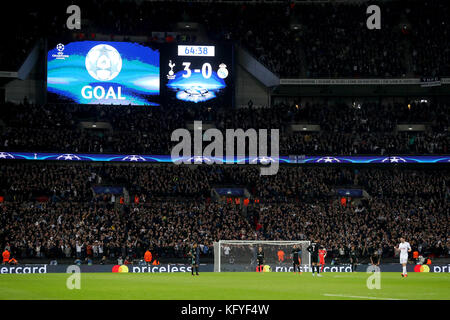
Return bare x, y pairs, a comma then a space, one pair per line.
225, 286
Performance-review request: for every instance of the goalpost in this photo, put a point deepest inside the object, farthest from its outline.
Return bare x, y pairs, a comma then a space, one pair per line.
240, 255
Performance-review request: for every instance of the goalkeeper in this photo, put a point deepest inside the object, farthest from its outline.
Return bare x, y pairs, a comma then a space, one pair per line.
296, 260
313, 249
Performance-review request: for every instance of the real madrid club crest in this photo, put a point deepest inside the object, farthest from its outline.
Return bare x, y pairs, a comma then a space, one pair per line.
222, 72
171, 74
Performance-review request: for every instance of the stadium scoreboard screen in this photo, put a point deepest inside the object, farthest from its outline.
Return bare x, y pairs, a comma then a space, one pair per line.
196, 73
102, 72
126, 73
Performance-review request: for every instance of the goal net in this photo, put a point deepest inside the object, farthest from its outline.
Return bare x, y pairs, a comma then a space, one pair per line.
240, 255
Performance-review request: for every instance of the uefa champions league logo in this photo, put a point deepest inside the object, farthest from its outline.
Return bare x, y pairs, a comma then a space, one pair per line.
68, 156
60, 54
393, 159
103, 62
196, 91
328, 159
133, 157
6, 155
200, 159
60, 48
262, 160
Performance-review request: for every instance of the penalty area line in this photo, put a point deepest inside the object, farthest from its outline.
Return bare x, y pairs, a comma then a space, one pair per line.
357, 297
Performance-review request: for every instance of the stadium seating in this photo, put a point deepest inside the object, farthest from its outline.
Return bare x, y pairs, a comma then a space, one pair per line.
345, 130
327, 40
173, 206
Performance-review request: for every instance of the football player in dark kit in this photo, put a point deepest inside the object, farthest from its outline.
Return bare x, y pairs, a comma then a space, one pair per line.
375, 258
195, 258
260, 258
353, 258
296, 260
313, 249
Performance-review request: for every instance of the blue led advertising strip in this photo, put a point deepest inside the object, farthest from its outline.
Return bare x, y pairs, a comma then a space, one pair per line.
237, 160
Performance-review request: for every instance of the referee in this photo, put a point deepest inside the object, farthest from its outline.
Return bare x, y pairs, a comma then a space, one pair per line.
260, 258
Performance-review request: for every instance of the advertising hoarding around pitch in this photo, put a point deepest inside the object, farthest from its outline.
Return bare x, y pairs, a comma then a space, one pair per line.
171, 268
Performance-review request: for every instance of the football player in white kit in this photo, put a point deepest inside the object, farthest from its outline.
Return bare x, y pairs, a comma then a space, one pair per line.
404, 248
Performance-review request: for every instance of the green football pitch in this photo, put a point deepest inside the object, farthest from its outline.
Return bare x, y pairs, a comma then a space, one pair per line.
225, 286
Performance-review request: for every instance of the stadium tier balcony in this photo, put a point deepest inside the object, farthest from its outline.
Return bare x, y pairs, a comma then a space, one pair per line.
342, 129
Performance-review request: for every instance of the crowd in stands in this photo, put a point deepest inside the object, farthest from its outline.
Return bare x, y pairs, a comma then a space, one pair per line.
292, 40
325, 40
50, 210
366, 143
429, 50
367, 128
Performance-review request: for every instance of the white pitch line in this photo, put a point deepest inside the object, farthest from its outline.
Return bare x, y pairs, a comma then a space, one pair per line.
358, 297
